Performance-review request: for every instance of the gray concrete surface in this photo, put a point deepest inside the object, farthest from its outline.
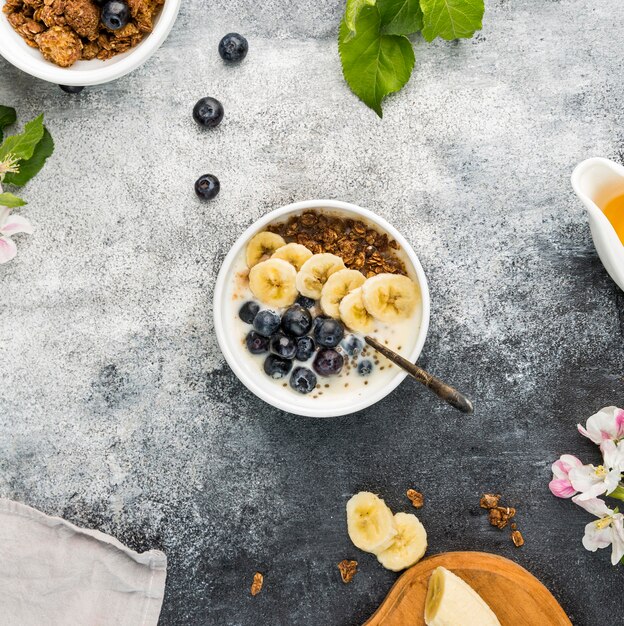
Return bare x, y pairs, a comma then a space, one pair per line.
117, 410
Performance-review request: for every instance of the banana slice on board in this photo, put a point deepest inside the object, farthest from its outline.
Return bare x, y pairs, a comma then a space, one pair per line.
295, 253
273, 282
262, 245
390, 297
451, 601
315, 272
354, 314
338, 285
370, 522
408, 545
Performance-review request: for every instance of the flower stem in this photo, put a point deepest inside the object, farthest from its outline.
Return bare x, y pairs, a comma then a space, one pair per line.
618, 493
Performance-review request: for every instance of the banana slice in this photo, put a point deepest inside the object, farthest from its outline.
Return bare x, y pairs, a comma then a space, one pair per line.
295, 253
273, 282
262, 245
408, 546
338, 285
370, 522
390, 297
354, 314
451, 601
315, 272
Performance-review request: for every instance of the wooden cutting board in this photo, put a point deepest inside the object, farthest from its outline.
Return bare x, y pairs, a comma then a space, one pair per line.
517, 597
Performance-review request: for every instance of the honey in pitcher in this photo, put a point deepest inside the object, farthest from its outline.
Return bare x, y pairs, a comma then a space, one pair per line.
614, 210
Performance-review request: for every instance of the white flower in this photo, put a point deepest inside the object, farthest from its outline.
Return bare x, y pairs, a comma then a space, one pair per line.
607, 530
593, 481
11, 225
607, 424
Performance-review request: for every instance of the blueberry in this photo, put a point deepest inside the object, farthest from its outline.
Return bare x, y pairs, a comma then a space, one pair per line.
305, 302
352, 345
71, 88
296, 321
266, 322
318, 320
328, 362
365, 367
208, 112
233, 47
248, 311
207, 187
115, 14
329, 333
302, 380
276, 367
305, 348
256, 344
283, 346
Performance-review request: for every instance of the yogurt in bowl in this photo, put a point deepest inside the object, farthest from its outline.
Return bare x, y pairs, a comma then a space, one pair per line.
298, 291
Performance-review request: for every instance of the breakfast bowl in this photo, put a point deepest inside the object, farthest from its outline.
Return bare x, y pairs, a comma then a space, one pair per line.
86, 72
295, 297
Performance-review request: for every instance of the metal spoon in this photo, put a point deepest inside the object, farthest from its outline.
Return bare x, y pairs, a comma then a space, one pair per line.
441, 389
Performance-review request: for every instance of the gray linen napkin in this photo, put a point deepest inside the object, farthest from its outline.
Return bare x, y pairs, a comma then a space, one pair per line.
55, 573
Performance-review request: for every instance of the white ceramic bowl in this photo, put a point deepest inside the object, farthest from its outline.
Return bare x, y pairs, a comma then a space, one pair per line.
257, 382
82, 73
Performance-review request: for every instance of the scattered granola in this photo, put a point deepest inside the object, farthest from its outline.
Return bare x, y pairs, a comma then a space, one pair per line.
361, 248
489, 501
417, 499
348, 569
66, 31
500, 516
256, 585
517, 538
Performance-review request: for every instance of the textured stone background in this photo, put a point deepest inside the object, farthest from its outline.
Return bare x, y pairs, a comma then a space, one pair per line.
117, 410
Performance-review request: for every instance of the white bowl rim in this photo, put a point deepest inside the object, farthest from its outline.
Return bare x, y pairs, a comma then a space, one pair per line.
264, 391
99, 74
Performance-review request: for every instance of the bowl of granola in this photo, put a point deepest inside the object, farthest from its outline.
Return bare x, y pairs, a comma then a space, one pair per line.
300, 290
83, 42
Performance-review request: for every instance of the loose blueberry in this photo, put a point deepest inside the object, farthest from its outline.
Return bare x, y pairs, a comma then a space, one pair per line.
305, 348
248, 311
233, 47
266, 323
208, 112
328, 362
329, 333
257, 344
207, 187
352, 345
302, 380
283, 346
71, 88
296, 321
115, 14
305, 302
365, 367
276, 367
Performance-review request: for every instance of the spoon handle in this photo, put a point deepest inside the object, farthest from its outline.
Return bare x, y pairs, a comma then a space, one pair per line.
440, 388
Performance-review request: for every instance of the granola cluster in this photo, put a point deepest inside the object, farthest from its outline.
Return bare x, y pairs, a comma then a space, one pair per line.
360, 247
66, 31
500, 516
348, 569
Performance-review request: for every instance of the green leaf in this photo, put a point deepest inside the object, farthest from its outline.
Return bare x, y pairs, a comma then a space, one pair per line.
32, 166
400, 17
23, 145
374, 64
7, 117
8, 199
353, 10
451, 19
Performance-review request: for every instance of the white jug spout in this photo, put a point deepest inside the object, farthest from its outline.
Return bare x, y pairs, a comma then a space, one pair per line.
596, 180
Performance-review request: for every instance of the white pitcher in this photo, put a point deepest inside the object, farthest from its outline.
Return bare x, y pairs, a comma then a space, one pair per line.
595, 181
